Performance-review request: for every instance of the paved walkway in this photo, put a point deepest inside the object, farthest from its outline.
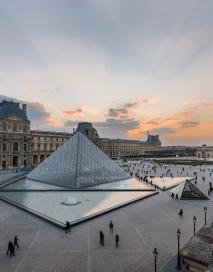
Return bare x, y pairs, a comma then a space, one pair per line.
142, 226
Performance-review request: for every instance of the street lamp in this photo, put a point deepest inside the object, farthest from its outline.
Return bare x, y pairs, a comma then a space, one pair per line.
178, 256
205, 211
155, 254
194, 220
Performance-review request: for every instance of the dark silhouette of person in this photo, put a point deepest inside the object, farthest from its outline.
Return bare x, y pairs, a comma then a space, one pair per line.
176, 196
111, 226
67, 227
16, 242
173, 195
117, 240
8, 247
101, 238
181, 213
11, 249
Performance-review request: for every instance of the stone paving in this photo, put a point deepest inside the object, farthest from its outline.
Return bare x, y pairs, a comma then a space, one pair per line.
142, 226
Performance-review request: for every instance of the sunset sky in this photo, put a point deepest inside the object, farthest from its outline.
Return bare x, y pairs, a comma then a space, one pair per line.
128, 66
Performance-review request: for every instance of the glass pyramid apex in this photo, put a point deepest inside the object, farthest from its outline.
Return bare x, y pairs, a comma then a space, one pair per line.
78, 164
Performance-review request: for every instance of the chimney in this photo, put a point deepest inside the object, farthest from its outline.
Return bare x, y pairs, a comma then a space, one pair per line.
24, 107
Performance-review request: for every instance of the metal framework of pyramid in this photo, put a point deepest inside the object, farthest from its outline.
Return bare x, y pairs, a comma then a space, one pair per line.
77, 164
187, 190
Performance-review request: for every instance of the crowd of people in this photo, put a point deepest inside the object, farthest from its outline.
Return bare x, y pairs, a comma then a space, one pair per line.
146, 171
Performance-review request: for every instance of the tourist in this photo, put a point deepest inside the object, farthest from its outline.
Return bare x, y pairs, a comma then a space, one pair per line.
111, 226
116, 240
16, 241
101, 238
67, 227
11, 249
176, 197
181, 213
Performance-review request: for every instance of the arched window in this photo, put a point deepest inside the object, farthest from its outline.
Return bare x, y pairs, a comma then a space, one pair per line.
35, 160
15, 146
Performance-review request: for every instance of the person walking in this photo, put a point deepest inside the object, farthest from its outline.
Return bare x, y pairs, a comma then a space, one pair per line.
67, 227
181, 213
101, 238
11, 249
16, 242
111, 226
117, 240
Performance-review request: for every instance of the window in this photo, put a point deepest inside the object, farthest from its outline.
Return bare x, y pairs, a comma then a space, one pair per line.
25, 128
4, 147
15, 146
4, 126
25, 147
15, 127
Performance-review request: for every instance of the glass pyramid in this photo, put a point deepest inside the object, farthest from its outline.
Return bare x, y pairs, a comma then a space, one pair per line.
77, 164
190, 191
187, 190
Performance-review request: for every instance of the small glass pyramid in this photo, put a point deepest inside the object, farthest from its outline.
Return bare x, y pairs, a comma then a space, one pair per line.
77, 164
187, 190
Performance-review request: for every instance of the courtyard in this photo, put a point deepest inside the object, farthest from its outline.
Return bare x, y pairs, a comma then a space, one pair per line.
142, 226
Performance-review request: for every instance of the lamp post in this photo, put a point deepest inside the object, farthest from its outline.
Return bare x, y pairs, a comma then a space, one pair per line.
178, 255
155, 254
194, 220
205, 211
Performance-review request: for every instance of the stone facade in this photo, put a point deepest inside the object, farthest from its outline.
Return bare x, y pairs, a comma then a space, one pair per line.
44, 143
20, 146
116, 148
204, 152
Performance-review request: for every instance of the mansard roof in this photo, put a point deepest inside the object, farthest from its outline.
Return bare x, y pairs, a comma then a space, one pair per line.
9, 108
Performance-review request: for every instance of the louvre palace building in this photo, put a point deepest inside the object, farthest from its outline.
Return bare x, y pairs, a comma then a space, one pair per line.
20, 146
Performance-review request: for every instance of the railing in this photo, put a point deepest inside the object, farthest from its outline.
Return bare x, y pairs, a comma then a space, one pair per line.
11, 180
